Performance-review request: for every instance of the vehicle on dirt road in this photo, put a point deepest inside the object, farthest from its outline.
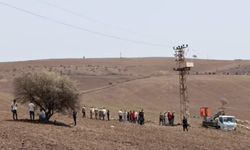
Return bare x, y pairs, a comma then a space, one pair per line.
218, 120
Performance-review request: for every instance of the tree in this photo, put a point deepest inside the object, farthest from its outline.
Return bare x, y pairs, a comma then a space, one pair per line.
49, 91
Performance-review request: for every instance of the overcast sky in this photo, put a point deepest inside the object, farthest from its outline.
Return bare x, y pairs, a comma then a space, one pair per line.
41, 29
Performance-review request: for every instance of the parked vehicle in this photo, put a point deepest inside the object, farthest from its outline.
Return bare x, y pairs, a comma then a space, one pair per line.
218, 120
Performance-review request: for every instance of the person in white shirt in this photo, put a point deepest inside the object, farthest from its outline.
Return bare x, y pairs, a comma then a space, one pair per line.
32, 111
120, 115
84, 111
14, 109
124, 117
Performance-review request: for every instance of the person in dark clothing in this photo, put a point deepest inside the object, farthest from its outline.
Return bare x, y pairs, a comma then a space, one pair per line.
161, 117
185, 124
169, 115
141, 117
172, 119
128, 116
108, 114
96, 113
74, 117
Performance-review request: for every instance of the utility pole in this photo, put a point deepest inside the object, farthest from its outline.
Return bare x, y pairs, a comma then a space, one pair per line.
183, 67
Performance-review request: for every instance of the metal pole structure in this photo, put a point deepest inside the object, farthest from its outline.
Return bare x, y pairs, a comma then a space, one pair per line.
183, 68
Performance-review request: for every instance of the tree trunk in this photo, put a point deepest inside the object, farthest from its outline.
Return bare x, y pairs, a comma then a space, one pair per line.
49, 114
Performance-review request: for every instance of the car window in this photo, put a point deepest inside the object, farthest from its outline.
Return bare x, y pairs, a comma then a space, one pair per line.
229, 119
221, 119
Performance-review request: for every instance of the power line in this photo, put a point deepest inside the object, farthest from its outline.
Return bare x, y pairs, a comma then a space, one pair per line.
85, 17
81, 28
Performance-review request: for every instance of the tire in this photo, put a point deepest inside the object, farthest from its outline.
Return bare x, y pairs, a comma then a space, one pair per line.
204, 125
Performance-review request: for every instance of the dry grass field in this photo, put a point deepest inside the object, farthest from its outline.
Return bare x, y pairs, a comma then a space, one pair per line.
131, 84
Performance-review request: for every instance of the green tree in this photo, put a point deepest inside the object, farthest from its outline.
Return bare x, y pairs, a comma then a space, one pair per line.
49, 91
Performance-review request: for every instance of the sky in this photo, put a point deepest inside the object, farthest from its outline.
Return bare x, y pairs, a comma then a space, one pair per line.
44, 29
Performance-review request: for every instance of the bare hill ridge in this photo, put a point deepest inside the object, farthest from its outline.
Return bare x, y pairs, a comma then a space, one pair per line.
146, 82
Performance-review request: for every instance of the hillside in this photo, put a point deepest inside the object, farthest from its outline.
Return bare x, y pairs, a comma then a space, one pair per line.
132, 84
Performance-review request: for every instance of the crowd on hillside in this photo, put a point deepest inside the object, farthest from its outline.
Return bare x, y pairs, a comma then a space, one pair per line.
94, 113
166, 118
131, 116
123, 116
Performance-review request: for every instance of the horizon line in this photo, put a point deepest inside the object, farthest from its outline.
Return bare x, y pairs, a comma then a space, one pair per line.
138, 57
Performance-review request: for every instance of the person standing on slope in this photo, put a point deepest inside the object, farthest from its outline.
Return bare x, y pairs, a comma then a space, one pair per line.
172, 118
42, 116
185, 124
141, 117
128, 116
120, 115
161, 118
14, 109
108, 113
32, 111
74, 117
84, 111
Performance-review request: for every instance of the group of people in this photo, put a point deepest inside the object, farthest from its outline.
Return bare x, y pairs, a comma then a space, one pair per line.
131, 116
31, 108
97, 113
167, 118
104, 114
